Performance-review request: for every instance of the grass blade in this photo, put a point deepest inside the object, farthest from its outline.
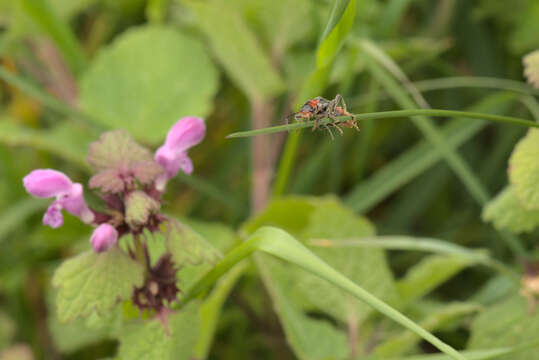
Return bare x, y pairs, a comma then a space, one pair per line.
279, 243
43, 15
389, 115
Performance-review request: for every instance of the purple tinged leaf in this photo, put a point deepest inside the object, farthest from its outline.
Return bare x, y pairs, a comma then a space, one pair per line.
119, 160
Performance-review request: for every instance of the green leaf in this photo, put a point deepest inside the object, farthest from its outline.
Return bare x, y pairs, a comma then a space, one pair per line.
148, 339
237, 49
531, 67
311, 339
431, 272
116, 157
95, 282
524, 170
187, 246
147, 79
279, 243
138, 208
438, 319
506, 212
506, 324
297, 292
74, 335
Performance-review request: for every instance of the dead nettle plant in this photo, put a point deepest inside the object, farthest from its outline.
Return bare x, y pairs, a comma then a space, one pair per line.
130, 181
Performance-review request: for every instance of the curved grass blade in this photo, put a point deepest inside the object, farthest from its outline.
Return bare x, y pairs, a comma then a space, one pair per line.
279, 243
399, 242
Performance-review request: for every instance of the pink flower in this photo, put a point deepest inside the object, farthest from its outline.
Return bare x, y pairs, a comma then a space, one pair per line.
103, 237
172, 156
45, 183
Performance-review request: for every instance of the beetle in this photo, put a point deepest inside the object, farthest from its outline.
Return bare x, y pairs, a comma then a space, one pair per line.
319, 108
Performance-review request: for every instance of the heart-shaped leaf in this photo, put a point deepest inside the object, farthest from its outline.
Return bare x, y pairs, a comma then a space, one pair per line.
95, 282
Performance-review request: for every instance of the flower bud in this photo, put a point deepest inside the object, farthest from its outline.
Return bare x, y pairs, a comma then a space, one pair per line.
103, 237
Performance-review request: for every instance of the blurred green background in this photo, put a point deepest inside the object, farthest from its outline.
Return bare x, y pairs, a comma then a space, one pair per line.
71, 69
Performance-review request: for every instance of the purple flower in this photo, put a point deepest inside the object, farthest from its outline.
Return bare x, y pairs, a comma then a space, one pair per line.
172, 156
103, 237
45, 183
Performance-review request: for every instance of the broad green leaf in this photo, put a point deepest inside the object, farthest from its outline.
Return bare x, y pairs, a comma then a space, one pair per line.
310, 338
117, 157
138, 208
428, 274
284, 22
406, 340
237, 49
148, 339
95, 282
531, 67
187, 246
74, 335
506, 324
506, 212
524, 170
147, 79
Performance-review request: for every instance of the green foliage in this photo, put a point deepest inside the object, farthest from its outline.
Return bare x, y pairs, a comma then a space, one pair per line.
429, 274
508, 323
524, 170
237, 49
95, 282
506, 212
149, 339
141, 83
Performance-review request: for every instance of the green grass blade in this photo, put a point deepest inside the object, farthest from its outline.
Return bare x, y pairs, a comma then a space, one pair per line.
390, 115
339, 24
211, 309
409, 243
17, 214
31, 89
279, 243
475, 82
419, 158
43, 15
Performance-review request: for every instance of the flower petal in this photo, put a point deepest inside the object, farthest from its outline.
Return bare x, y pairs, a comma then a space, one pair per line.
186, 133
73, 202
45, 183
53, 216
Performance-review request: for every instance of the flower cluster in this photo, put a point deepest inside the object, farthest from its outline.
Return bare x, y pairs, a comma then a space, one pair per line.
126, 173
